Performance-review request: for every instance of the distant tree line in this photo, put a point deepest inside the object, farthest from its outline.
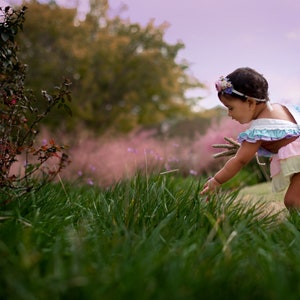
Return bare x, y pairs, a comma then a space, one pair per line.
123, 75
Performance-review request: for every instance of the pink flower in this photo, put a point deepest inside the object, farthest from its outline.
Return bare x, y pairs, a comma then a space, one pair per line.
218, 86
90, 182
131, 150
193, 172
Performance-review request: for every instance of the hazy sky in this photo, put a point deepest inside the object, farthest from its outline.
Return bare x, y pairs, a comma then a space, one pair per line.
222, 35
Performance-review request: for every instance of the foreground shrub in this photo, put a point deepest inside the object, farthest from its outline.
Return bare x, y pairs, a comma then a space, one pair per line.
20, 117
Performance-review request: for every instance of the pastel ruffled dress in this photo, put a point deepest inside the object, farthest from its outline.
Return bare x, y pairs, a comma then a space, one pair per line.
286, 162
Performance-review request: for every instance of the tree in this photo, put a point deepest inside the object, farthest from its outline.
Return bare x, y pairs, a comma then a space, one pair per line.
46, 49
125, 75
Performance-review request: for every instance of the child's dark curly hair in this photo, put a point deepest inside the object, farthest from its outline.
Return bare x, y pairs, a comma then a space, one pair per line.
250, 83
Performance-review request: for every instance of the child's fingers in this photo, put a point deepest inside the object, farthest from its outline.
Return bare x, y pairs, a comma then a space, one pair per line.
210, 185
204, 191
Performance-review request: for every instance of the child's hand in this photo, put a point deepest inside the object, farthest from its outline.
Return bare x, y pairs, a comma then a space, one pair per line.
211, 185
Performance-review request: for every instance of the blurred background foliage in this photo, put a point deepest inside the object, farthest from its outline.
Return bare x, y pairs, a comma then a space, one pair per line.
125, 76
126, 79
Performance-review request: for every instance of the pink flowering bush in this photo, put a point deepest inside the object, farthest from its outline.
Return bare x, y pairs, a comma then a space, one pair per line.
105, 161
201, 149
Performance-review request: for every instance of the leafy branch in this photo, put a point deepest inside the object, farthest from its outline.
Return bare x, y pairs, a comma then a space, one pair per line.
20, 117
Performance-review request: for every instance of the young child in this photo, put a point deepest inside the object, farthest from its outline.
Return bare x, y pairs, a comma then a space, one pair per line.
274, 131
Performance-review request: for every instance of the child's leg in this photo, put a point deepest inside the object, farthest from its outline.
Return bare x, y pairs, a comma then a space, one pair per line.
292, 196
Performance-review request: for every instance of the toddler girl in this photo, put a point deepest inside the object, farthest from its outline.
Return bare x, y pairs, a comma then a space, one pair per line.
274, 131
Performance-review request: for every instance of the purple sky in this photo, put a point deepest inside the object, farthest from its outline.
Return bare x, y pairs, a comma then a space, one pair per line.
222, 35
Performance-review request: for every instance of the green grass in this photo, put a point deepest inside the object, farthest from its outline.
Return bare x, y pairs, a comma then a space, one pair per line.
262, 193
148, 238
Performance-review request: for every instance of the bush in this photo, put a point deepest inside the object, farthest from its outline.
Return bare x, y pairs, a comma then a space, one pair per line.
20, 117
106, 160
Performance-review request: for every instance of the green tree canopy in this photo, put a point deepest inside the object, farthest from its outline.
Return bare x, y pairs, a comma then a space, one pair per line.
124, 75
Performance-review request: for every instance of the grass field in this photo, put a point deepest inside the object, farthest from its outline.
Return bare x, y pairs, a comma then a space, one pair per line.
262, 193
148, 238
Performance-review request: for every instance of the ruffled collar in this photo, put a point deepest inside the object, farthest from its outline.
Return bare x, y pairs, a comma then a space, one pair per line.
269, 130
266, 129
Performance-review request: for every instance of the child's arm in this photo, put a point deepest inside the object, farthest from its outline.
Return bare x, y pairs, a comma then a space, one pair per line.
243, 156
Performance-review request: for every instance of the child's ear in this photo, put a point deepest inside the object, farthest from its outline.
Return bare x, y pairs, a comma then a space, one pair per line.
251, 103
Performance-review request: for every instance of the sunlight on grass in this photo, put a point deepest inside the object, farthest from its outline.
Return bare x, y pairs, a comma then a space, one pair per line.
263, 190
262, 193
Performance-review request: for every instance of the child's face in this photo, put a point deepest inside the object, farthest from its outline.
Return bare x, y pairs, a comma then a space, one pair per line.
237, 109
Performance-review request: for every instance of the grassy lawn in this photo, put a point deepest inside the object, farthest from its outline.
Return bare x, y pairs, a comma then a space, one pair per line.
263, 193
148, 238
